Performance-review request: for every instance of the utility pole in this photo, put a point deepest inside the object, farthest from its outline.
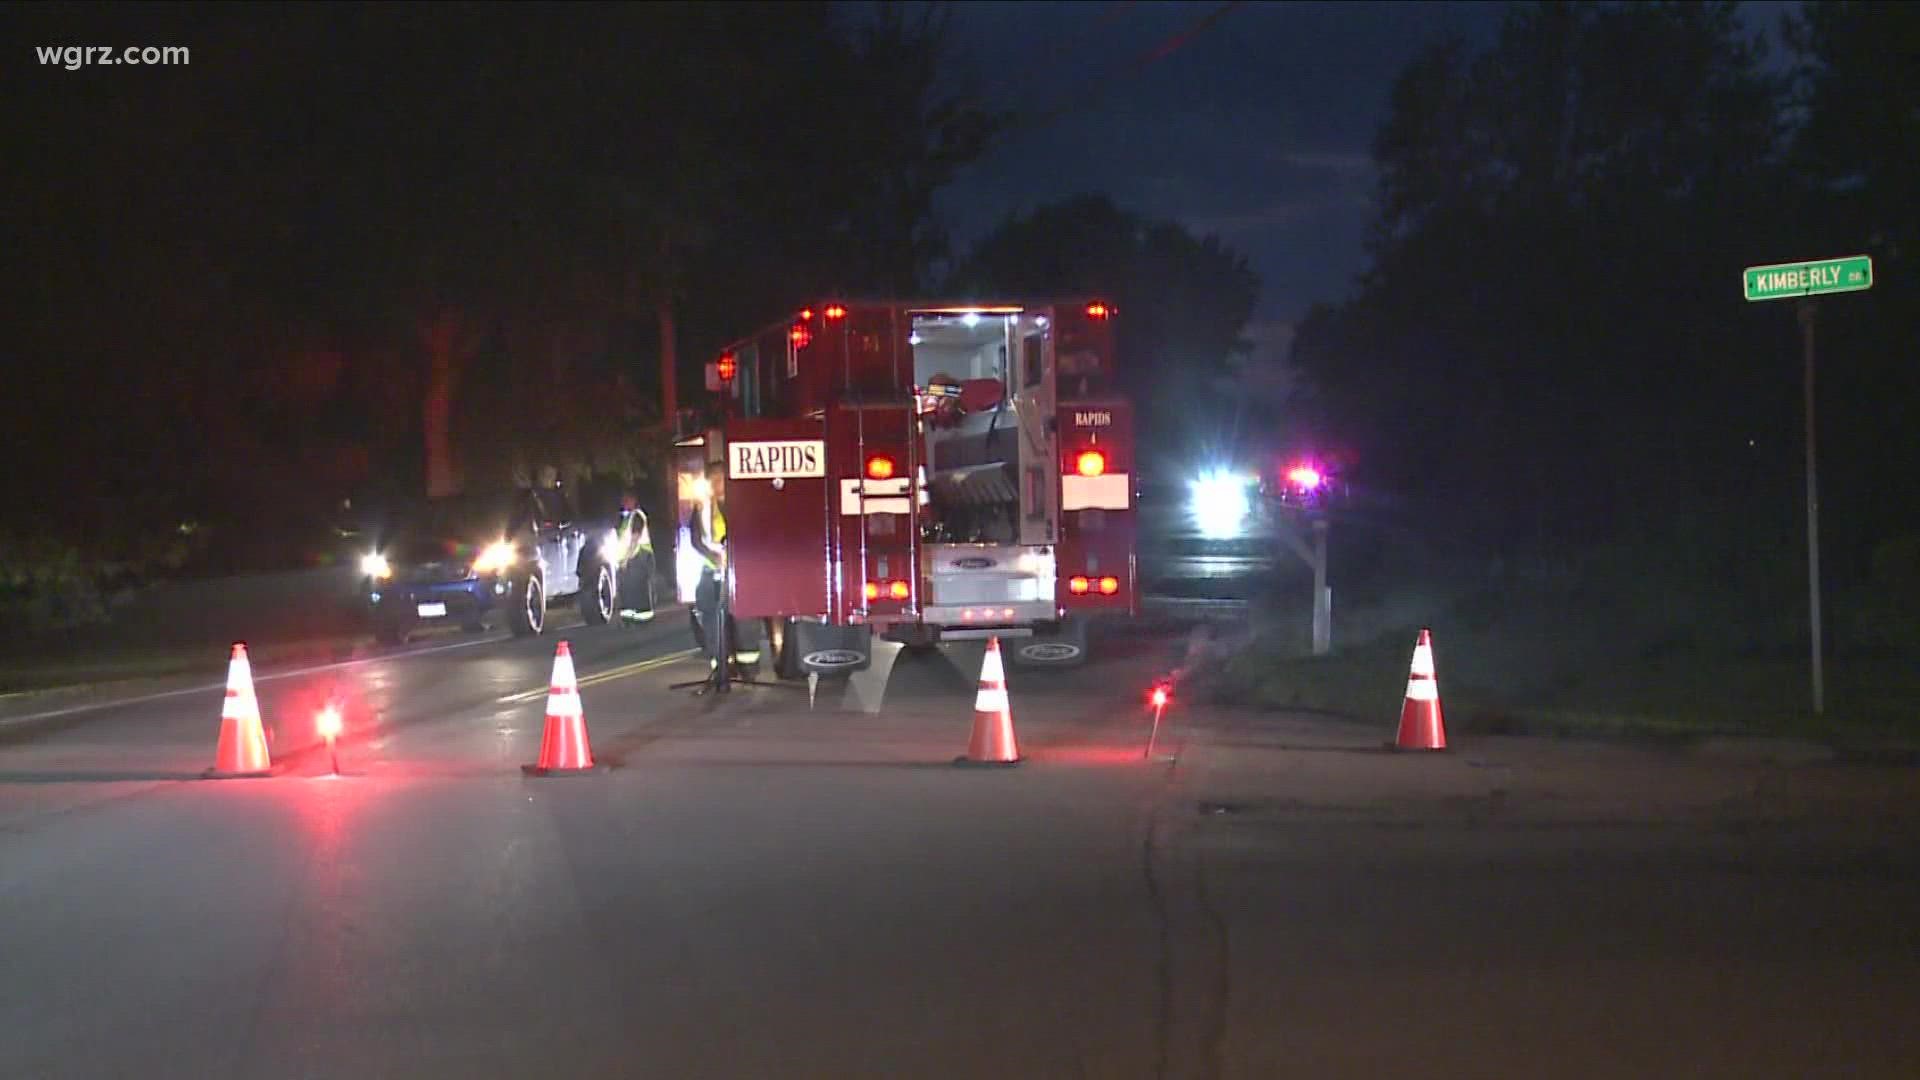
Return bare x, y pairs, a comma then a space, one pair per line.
1806, 313
1322, 595
669, 407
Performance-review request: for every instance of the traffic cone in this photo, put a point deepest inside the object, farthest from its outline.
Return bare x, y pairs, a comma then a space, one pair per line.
243, 743
563, 748
1420, 725
993, 742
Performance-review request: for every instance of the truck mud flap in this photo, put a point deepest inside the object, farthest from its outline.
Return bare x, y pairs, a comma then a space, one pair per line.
832, 650
1064, 647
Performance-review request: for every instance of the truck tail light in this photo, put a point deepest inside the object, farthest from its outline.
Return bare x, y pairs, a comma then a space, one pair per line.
1078, 585
1109, 586
1090, 463
879, 467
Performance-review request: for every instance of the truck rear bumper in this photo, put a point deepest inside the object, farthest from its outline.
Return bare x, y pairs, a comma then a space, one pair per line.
970, 616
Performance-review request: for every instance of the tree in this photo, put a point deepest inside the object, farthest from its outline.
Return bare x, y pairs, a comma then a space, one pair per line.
1545, 310
1857, 150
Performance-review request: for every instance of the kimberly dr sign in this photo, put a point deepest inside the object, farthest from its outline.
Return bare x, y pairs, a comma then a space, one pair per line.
1784, 280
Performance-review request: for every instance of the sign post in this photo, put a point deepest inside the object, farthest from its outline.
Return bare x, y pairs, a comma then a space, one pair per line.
1803, 281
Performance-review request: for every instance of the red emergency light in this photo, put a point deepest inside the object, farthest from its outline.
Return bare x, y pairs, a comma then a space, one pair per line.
1109, 586
879, 467
898, 590
1098, 311
1305, 477
893, 590
727, 367
806, 314
800, 336
835, 311
1090, 463
1078, 585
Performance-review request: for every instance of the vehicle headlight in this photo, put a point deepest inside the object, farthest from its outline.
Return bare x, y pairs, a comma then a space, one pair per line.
375, 565
610, 547
495, 557
1220, 505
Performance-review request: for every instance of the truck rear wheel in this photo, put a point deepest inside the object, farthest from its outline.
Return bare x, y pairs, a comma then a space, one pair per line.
781, 653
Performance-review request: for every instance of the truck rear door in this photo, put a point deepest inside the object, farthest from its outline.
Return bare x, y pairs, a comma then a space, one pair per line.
1034, 402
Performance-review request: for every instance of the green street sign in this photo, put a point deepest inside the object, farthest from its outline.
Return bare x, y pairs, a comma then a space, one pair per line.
1783, 280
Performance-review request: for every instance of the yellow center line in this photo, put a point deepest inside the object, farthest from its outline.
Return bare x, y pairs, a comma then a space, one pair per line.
609, 675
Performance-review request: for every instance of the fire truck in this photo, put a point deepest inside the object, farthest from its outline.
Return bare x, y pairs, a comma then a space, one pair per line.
924, 472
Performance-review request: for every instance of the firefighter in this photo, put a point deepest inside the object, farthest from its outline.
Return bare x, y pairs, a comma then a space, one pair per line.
707, 533
630, 542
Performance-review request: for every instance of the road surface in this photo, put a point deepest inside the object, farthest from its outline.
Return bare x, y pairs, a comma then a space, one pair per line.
755, 889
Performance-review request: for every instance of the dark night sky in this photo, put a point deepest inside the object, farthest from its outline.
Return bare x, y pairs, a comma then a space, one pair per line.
1257, 128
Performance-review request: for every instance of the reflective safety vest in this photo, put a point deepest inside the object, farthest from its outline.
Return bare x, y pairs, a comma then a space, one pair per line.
714, 526
626, 540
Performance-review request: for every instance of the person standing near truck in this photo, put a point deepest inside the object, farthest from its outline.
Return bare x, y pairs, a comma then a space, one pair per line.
707, 534
631, 541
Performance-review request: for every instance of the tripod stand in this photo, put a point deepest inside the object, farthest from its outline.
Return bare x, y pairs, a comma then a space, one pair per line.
719, 646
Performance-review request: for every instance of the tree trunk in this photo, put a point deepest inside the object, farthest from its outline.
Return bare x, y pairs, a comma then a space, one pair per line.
441, 338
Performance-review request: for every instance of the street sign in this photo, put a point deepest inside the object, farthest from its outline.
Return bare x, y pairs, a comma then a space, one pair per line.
1782, 281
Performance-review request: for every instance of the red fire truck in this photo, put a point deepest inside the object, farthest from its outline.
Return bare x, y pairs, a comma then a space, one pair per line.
925, 472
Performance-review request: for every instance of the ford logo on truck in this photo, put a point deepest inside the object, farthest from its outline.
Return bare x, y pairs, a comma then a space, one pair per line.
832, 658
974, 562
1049, 652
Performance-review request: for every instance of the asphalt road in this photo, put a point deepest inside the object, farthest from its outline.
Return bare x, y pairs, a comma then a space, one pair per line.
756, 889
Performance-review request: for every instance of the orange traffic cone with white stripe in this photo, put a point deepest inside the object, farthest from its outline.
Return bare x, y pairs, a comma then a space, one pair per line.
993, 742
243, 741
563, 747
1420, 725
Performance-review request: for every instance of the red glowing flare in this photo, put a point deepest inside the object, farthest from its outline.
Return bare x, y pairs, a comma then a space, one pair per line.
1159, 698
1305, 477
327, 723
